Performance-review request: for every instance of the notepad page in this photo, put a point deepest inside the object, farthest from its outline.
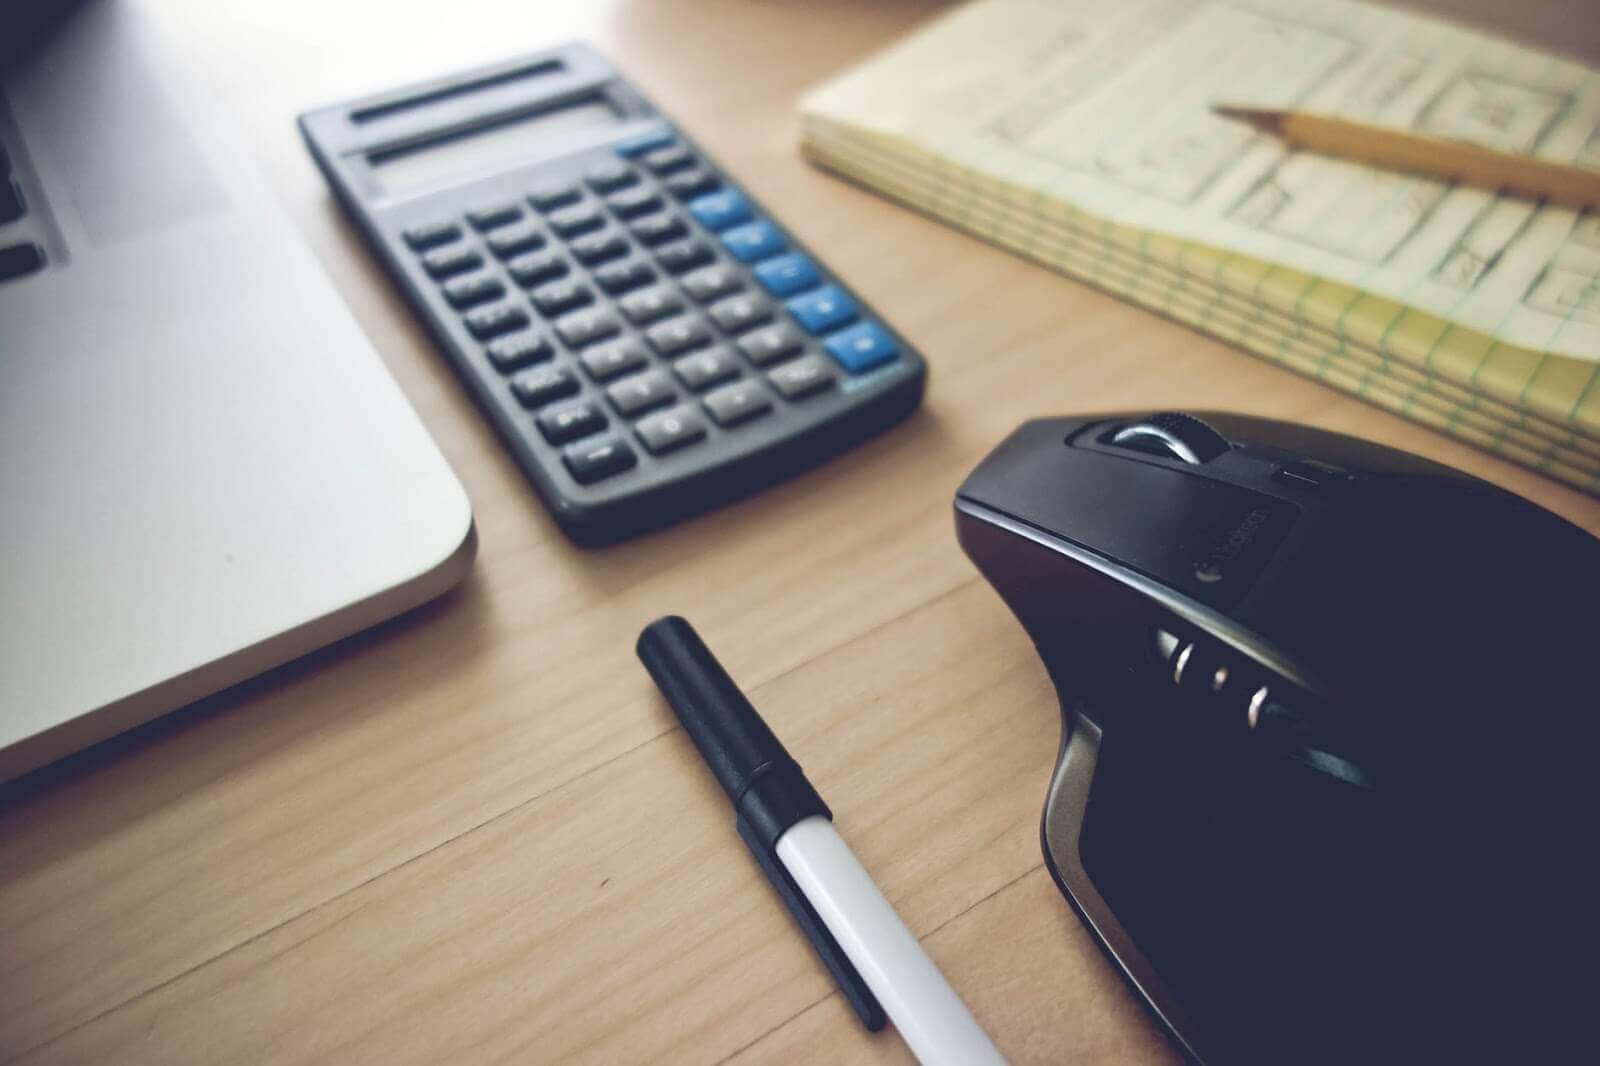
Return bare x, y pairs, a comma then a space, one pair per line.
1106, 107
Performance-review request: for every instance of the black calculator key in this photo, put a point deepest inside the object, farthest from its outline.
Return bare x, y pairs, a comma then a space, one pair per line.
599, 247
684, 255
469, 292
659, 229
802, 377
554, 195
488, 322
448, 262
11, 205
710, 282
691, 183
679, 335
19, 259
431, 235
619, 278
771, 344
571, 421
559, 296
535, 268
634, 202
587, 327
740, 313
592, 460
651, 305
489, 216
611, 175
514, 240
537, 387
520, 350
704, 369
739, 402
667, 430
640, 393
668, 160
571, 222
607, 361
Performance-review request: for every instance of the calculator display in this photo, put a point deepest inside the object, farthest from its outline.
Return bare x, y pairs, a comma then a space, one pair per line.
488, 149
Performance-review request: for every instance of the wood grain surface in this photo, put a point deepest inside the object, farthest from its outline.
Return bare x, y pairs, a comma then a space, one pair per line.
474, 834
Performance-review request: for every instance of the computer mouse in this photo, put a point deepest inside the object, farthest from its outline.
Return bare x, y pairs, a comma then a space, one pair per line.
1325, 790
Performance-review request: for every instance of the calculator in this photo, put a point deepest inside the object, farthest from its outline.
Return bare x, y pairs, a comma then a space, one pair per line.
645, 336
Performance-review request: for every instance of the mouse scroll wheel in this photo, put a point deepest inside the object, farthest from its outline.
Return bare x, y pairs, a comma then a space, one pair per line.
1175, 436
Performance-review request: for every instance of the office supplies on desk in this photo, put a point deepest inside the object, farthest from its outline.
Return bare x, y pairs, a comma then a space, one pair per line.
647, 339
1082, 137
1493, 170
206, 468
789, 830
1327, 731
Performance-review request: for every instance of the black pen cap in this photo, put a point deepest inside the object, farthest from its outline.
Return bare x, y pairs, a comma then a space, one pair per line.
762, 780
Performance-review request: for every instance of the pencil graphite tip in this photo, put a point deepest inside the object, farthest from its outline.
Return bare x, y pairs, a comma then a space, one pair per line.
1262, 119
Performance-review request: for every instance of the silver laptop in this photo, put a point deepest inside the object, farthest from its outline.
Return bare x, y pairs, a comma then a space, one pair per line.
205, 469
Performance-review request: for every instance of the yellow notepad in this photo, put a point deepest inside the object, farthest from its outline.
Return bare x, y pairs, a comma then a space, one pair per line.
1080, 135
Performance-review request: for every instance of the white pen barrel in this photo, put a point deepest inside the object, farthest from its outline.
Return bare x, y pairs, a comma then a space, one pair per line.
930, 1016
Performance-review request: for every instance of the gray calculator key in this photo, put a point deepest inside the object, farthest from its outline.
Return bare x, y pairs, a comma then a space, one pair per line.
431, 235
610, 175
667, 160
448, 262
592, 460
607, 361
477, 289
640, 393
514, 240
771, 344
571, 421
705, 369
634, 202
650, 305
559, 296
802, 377
570, 222
679, 335
683, 255
489, 216
519, 350
621, 277
710, 282
488, 322
688, 184
586, 327
599, 248
667, 430
553, 195
658, 229
739, 402
740, 313
536, 268
537, 387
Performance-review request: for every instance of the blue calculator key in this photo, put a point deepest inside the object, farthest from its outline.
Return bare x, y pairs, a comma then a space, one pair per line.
823, 310
752, 241
788, 274
719, 210
644, 142
861, 347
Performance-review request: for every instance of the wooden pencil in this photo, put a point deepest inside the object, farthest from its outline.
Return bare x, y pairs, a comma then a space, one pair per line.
1437, 157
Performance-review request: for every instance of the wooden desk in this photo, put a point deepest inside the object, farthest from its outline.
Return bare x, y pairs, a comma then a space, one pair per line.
474, 834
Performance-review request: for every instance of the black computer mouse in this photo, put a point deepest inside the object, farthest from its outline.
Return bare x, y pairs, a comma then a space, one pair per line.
1326, 783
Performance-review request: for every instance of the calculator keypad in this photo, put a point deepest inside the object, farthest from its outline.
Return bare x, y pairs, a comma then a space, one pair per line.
686, 321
